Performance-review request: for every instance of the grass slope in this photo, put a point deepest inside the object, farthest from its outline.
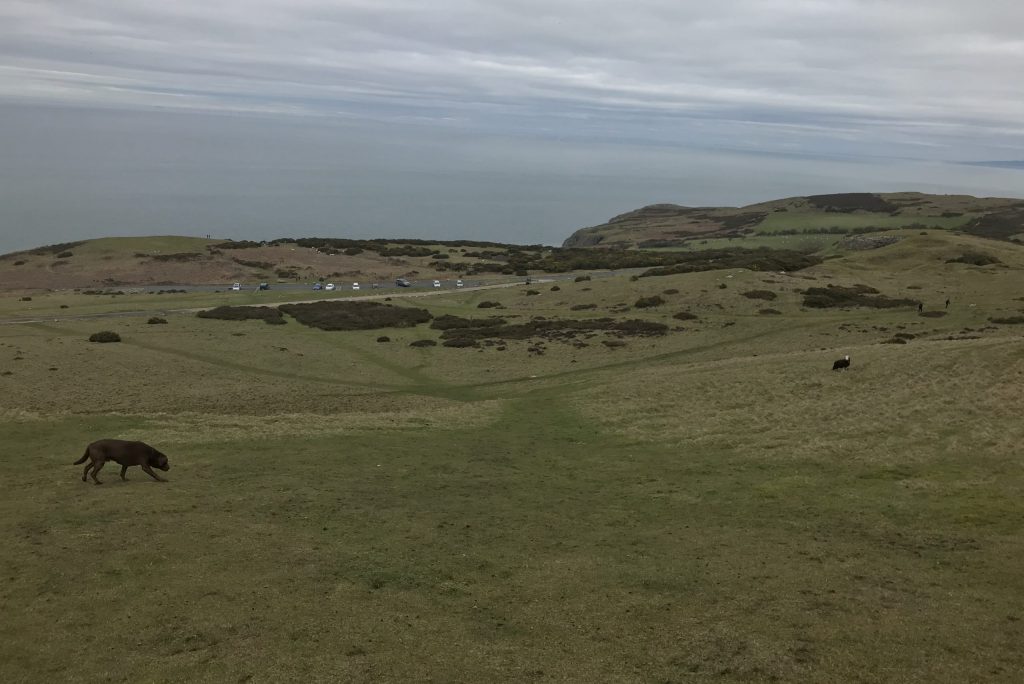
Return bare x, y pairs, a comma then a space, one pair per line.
803, 222
713, 503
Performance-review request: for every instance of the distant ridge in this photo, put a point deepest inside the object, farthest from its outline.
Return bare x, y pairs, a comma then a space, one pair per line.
674, 226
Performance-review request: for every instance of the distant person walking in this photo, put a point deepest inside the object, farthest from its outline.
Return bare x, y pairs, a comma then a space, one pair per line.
920, 307
947, 303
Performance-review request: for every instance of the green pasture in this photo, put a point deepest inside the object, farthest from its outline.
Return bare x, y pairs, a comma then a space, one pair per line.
713, 504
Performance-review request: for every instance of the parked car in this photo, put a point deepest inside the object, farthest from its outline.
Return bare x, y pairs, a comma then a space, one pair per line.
264, 286
402, 282
355, 286
317, 286
330, 286
458, 283
437, 283
236, 287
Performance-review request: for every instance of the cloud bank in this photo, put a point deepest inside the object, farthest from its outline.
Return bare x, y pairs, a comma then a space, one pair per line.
918, 78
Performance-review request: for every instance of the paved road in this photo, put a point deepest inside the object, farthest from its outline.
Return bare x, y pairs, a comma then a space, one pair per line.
394, 293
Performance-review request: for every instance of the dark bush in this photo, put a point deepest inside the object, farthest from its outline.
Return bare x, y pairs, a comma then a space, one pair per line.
582, 307
531, 293
647, 302
156, 320
449, 322
974, 259
489, 305
19, 262
423, 343
63, 306
244, 313
261, 265
932, 314
105, 336
722, 286
835, 296
558, 328
352, 251
460, 342
580, 279
760, 294
26, 299
355, 315
769, 312
671, 291
613, 343
894, 340
180, 257
1008, 320
65, 255
685, 316
555, 288
59, 262
762, 259
383, 338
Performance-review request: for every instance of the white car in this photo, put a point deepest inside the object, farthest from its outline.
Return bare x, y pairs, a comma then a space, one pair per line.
458, 283
437, 283
236, 287
355, 286
330, 286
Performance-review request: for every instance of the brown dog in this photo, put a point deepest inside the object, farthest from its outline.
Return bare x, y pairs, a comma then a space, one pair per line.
125, 454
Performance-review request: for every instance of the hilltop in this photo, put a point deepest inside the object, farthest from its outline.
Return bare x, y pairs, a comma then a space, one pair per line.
810, 222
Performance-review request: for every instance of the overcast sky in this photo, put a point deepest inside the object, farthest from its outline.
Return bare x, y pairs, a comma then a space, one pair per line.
519, 120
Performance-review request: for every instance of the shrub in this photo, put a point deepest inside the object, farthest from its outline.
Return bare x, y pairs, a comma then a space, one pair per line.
63, 306
685, 316
671, 291
760, 294
26, 299
423, 343
65, 255
722, 286
489, 305
352, 251
974, 259
557, 328
762, 259
582, 307
647, 302
383, 338
1009, 320
769, 312
894, 340
835, 296
180, 257
19, 262
580, 279
244, 313
105, 336
340, 315
156, 320
449, 322
532, 293
555, 288
461, 342
932, 314
613, 344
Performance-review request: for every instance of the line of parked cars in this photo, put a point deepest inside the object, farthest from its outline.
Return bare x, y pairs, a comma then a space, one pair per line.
330, 287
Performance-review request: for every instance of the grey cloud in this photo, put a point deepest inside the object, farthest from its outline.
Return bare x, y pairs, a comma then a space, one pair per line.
547, 65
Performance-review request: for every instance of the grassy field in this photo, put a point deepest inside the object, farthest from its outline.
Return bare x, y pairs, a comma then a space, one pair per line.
713, 504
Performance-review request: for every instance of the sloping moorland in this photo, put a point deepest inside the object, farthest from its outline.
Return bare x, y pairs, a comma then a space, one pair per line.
698, 497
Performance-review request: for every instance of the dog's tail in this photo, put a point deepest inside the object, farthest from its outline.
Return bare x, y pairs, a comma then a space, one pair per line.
84, 458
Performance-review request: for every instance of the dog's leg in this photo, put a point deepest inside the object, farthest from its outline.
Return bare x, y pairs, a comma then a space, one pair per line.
124, 469
153, 475
96, 469
85, 473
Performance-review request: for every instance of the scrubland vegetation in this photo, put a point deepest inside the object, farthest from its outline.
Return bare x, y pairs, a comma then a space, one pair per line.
485, 486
